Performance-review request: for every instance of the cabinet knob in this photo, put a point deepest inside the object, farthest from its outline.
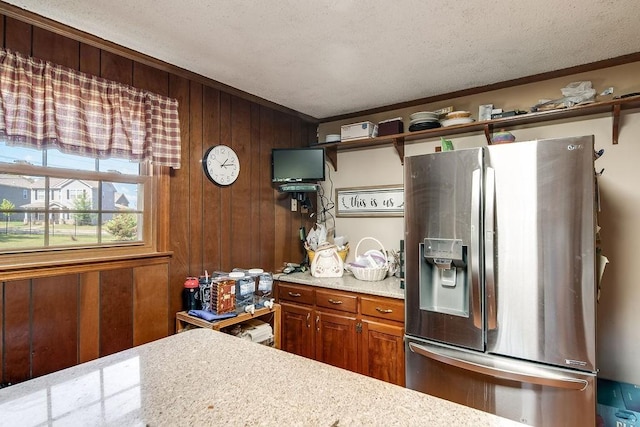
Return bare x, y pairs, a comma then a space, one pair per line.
382, 310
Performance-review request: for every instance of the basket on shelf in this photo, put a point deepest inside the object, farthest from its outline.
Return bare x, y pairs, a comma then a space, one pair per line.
311, 253
370, 274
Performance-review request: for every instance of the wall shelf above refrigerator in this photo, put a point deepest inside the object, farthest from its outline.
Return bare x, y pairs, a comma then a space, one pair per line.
487, 127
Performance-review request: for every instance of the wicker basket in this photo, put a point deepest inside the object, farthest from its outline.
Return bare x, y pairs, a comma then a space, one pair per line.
367, 273
342, 253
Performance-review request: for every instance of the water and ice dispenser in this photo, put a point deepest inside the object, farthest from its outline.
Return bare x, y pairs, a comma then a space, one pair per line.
444, 286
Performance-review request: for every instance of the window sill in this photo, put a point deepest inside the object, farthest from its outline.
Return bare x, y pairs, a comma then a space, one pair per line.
42, 265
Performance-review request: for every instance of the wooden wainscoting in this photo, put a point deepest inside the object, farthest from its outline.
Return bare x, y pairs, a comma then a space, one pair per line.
54, 322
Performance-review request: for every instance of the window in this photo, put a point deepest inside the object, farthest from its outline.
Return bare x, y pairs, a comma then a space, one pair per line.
71, 202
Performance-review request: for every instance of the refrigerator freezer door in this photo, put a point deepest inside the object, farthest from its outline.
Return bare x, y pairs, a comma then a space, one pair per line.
443, 205
522, 391
544, 243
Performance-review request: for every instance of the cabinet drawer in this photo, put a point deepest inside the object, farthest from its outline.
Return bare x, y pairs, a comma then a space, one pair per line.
337, 301
295, 293
384, 308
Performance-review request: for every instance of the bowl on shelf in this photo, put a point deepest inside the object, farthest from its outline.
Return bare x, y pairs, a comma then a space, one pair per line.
502, 137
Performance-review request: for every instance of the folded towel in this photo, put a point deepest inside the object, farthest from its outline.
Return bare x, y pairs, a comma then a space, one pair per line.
209, 316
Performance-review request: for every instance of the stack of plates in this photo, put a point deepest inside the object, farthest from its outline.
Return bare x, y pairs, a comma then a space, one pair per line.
423, 120
457, 118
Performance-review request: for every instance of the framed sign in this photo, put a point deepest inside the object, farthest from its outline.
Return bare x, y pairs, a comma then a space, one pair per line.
386, 200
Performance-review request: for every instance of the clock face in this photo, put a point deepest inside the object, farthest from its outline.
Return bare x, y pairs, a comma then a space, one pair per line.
221, 164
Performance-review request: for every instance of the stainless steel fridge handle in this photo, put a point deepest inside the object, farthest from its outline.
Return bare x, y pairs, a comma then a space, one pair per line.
539, 378
489, 254
475, 249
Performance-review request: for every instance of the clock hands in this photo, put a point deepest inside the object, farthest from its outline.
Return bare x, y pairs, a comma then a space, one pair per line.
225, 165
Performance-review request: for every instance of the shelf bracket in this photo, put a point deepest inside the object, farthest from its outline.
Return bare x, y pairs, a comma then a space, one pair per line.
616, 123
399, 144
332, 155
488, 131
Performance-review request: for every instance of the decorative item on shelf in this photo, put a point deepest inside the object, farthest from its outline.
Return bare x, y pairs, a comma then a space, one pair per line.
502, 137
372, 266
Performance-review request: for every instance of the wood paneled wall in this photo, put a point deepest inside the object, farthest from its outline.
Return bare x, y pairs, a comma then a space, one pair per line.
52, 322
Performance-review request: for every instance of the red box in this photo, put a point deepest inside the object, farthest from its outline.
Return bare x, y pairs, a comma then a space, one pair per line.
390, 128
223, 295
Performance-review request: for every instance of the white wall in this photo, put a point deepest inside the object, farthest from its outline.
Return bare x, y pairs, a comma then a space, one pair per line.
619, 305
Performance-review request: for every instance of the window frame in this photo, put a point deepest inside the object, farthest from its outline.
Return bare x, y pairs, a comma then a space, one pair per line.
154, 235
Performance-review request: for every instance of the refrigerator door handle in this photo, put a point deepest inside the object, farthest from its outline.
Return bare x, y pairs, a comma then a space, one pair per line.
538, 377
489, 257
475, 249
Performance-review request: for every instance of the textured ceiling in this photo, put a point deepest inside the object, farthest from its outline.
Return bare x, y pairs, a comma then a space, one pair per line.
330, 57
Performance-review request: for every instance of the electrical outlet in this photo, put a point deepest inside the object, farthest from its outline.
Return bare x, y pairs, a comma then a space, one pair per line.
294, 205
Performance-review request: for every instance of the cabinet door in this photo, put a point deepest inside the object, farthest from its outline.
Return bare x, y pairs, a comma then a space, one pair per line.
382, 351
336, 340
297, 329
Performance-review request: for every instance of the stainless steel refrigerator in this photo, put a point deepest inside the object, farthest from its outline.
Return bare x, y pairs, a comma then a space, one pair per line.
500, 281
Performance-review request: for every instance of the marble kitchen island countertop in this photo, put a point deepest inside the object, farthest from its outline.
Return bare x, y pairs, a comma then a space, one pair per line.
207, 378
389, 287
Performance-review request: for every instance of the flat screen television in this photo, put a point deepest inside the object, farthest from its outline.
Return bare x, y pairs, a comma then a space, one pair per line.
290, 165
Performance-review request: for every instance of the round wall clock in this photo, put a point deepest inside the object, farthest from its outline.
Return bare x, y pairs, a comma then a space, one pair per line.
221, 164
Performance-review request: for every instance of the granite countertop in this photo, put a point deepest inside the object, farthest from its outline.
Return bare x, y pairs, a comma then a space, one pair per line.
389, 287
204, 377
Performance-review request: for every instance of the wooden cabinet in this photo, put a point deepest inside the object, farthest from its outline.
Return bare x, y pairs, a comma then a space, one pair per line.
361, 333
382, 354
297, 334
336, 340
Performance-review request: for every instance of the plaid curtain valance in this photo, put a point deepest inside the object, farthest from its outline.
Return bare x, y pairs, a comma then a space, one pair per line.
44, 105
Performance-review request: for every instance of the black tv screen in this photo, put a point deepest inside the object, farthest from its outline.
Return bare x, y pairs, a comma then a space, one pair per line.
297, 165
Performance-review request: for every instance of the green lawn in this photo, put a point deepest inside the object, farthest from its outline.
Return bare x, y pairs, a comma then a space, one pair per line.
16, 235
